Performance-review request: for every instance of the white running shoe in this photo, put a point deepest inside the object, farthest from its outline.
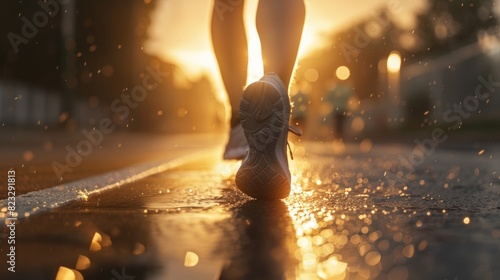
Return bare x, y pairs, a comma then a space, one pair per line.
264, 115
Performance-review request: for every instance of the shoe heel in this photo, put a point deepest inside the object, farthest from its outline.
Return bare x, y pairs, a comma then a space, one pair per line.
262, 115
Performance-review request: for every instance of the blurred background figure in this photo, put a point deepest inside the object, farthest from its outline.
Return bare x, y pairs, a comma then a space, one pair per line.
339, 96
300, 101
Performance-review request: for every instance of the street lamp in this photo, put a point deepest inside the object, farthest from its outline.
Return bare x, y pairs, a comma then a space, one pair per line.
393, 78
394, 62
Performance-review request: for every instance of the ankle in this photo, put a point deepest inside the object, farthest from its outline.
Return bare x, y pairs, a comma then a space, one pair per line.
235, 119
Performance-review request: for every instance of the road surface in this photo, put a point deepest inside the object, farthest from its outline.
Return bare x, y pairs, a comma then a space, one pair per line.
356, 212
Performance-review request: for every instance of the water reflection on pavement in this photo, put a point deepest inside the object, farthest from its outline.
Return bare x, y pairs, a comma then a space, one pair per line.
342, 221
340, 233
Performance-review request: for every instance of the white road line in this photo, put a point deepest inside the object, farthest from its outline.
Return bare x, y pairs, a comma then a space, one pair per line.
40, 201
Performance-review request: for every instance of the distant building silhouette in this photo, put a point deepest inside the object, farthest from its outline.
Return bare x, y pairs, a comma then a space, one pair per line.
70, 69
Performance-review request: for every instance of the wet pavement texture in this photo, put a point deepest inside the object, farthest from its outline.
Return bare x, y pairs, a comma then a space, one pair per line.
355, 212
33, 154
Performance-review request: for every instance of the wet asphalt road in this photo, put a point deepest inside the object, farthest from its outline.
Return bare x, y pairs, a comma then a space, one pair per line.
351, 215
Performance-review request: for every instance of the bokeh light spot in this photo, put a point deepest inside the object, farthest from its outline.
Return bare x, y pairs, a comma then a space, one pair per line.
343, 73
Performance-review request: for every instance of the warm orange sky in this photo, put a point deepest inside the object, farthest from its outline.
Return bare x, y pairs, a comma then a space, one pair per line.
180, 29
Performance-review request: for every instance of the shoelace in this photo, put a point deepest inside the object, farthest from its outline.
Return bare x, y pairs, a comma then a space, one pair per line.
295, 131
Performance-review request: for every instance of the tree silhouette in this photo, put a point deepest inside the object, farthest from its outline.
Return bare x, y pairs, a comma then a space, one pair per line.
449, 25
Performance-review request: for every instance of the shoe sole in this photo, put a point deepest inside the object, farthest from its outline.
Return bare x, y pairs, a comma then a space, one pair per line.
264, 172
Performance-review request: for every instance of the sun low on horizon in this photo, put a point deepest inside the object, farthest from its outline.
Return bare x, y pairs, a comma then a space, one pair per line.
180, 33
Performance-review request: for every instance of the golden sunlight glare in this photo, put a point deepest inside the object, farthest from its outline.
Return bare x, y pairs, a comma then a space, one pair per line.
255, 63
227, 169
180, 33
